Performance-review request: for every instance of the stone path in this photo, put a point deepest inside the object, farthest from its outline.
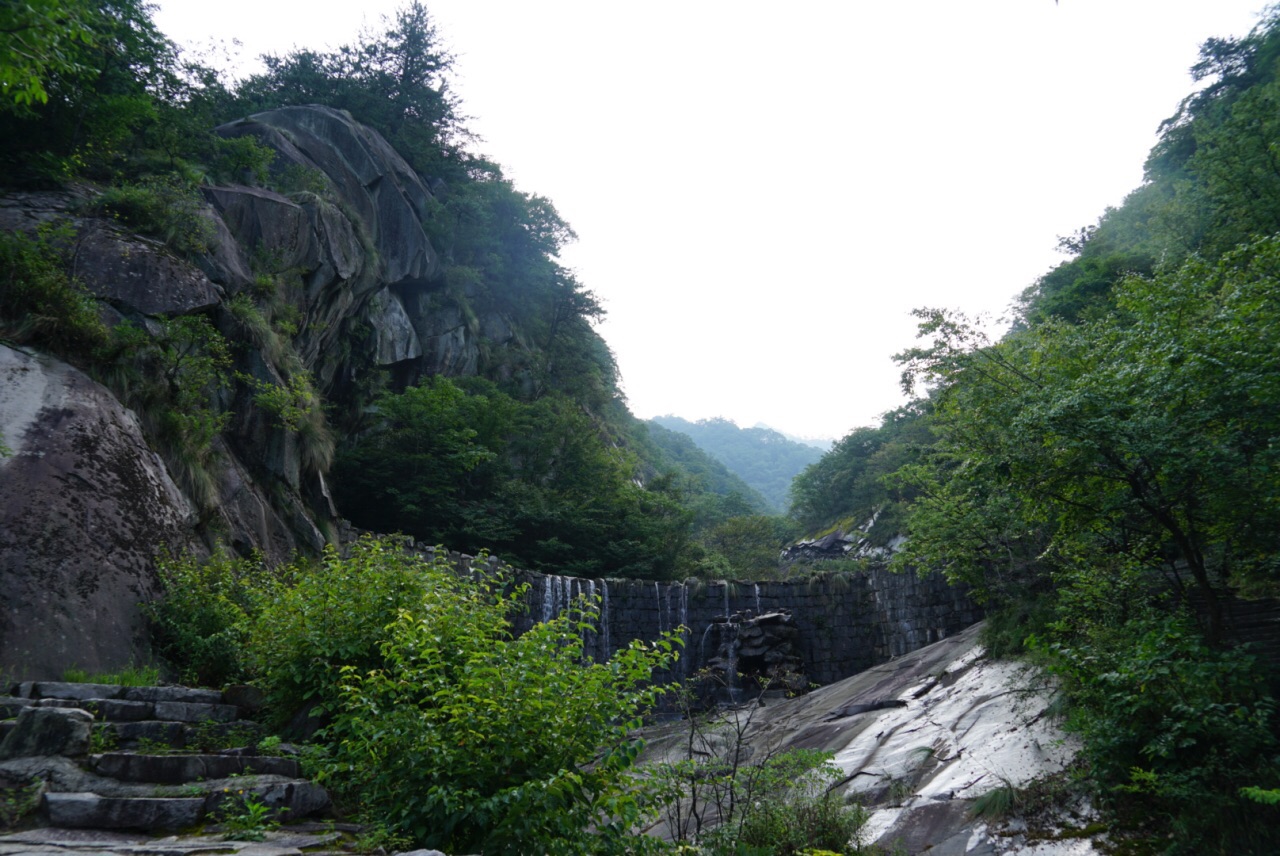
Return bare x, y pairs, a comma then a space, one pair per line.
84, 842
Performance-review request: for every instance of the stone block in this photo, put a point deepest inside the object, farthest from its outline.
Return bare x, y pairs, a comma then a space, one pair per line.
78, 692
42, 731
181, 769
186, 695
179, 711
150, 814
11, 706
133, 734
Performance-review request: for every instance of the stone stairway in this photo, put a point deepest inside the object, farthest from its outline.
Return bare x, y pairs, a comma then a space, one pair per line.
148, 759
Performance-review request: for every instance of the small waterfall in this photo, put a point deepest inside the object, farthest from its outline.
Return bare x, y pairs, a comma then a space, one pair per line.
727, 611
684, 631
605, 651
731, 668
756, 588
702, 646
548, 601
657, 596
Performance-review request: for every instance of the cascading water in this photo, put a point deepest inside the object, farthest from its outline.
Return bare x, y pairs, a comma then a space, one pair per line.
684, 631
756, 588
605, 651
548, 599
657, 596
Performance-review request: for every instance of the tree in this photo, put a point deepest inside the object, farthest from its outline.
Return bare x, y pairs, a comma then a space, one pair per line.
40, 39
1146, 434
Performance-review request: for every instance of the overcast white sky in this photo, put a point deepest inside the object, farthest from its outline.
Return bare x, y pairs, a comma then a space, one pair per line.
763, 191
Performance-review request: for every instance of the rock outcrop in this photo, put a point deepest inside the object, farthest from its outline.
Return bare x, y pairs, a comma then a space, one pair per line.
919, 740
84, 505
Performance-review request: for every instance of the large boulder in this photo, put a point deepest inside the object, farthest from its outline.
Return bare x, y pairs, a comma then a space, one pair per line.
371, 180
85, 506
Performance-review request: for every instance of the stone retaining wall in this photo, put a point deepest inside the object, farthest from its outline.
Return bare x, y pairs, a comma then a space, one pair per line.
848, 622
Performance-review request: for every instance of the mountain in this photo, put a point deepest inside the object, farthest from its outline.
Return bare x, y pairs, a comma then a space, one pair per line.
761, 457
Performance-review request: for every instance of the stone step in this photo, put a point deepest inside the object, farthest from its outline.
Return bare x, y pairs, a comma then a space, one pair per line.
205, 736
181, 769
120, 710
161, 807
150, 814
87, 692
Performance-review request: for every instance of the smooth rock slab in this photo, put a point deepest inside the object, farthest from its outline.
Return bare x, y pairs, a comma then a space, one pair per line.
90, 811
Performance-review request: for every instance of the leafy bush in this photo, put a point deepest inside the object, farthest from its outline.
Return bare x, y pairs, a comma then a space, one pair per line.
164, 207
793, 812
330, 614
39, 302
1173, 729
200, 625
443, 727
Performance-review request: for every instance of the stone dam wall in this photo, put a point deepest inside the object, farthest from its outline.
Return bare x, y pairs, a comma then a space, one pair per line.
848, 622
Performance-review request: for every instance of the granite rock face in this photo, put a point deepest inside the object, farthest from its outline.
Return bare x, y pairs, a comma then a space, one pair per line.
919, 739
85, 504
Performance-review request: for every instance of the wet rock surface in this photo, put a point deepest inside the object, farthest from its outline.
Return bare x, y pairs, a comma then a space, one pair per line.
920, 739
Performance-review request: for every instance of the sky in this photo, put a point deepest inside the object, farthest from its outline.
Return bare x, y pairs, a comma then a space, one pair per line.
763, 191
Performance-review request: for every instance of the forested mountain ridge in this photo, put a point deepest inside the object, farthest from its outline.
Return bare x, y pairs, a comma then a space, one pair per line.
761, 457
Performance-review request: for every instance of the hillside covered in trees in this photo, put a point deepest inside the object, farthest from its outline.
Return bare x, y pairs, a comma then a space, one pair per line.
761, 457
1105, 474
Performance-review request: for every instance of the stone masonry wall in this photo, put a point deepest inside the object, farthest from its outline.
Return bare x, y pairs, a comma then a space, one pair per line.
848, 622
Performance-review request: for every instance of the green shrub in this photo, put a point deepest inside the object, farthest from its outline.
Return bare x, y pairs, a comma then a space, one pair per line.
1173, 729
445, 728
200, 625
39, 302
163, 207
242, 159
295, 406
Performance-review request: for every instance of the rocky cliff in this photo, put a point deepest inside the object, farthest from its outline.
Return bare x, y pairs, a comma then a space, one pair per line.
341, 253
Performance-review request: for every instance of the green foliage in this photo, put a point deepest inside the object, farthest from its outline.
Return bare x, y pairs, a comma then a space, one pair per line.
795, 812
295, 406
164, 207
243, 160
729, 795
444, 727
763, 458
133, 676
120, 98
200, 624
476, 469
18, 800
1139, 435
39, 302
245, 817
172, 377
37, 41
1171, 726
852, 480
315, 619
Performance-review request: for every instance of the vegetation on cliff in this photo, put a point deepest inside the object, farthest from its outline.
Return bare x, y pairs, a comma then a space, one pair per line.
537, 456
